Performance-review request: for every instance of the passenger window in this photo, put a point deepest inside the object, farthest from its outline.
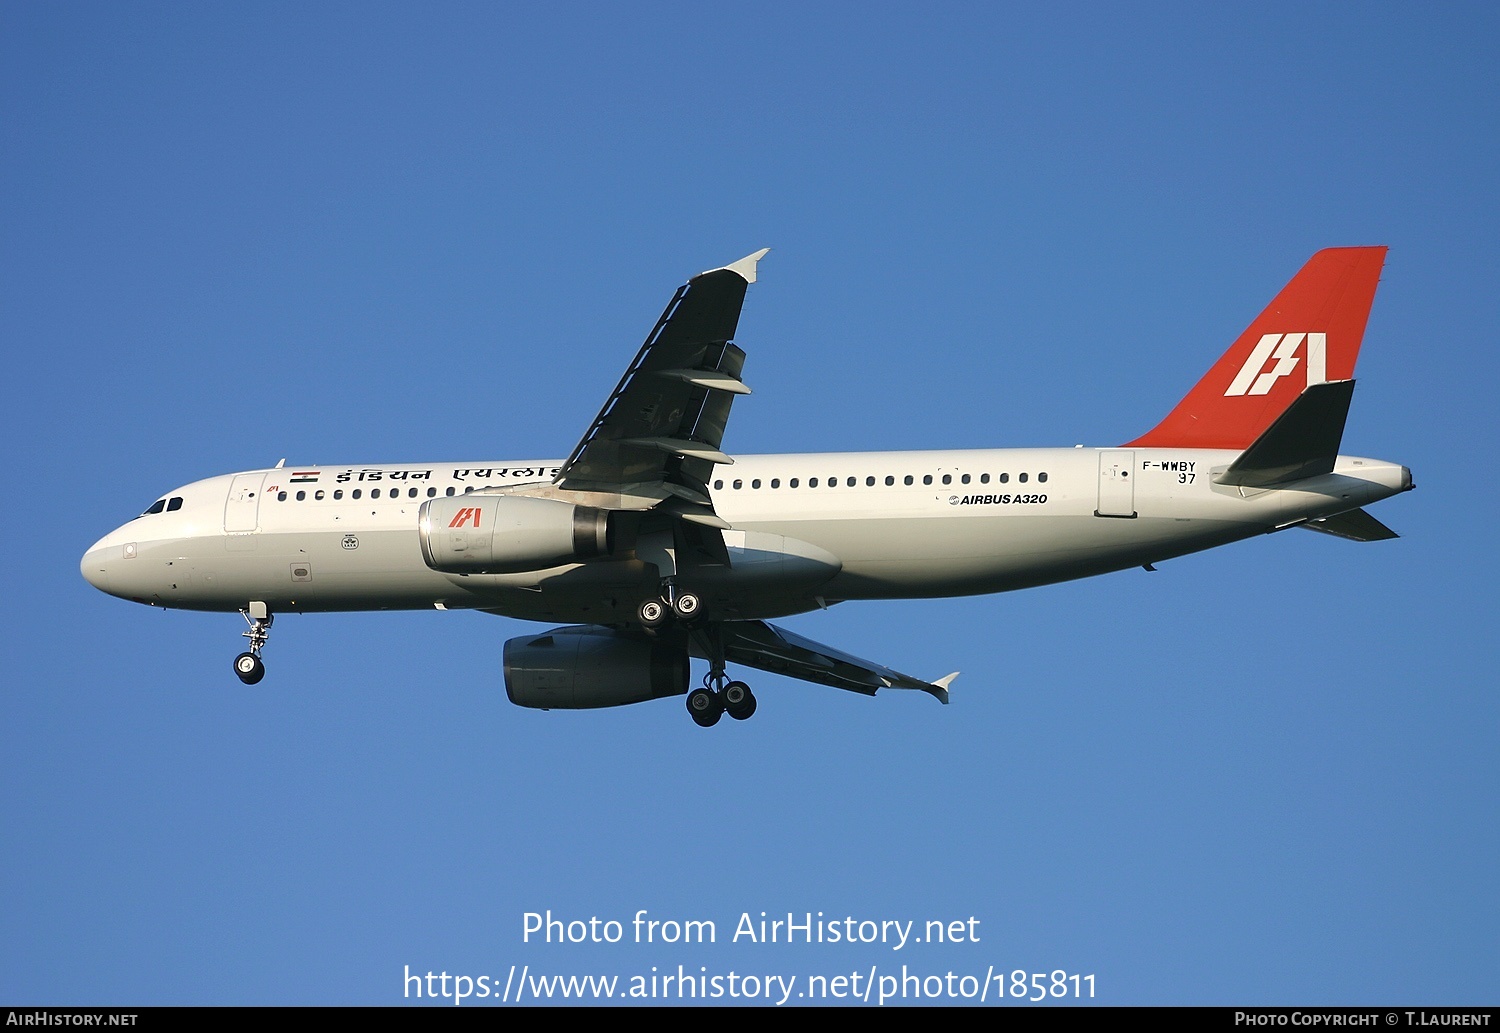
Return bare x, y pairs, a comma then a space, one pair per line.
374, 493
964, 478
984, 478
755, 483
947, 478
908, 479
411, 493
338, 493
301, 496
318, 495
851, 482
775, 482
431, 492
792, 483
718, 485
1041, 478
281, 496
927, 478
1005, 478
738, 485
1022, 478
812, 482
450, 491
174, 503
833, 482
889, 480
355, 493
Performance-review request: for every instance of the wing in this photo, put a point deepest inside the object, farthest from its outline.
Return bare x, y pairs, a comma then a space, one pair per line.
769, 648
660, 431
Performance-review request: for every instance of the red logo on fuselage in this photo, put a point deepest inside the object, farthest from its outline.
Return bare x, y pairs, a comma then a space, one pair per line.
464, 516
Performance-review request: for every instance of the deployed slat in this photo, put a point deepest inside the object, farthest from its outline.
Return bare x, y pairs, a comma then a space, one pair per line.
665, 420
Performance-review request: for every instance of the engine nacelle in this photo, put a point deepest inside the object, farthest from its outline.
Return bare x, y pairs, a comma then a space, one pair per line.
579, 668
509, 534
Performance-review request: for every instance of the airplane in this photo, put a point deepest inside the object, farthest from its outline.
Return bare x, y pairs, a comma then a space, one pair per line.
653, 547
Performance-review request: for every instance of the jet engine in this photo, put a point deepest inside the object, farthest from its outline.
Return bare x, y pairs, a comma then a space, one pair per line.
583, 667
509, 534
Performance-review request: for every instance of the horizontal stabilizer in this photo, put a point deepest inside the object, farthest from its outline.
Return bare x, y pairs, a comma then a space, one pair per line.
1302, 442
1355, 525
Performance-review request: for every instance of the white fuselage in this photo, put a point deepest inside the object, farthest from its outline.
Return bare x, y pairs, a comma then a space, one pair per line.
900, 524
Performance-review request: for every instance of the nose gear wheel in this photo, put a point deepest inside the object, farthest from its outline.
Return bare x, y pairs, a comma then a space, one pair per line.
248, 666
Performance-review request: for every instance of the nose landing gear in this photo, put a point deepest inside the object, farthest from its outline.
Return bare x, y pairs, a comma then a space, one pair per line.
248, 666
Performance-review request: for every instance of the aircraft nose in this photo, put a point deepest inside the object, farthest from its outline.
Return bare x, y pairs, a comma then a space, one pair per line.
95, 568
100, 566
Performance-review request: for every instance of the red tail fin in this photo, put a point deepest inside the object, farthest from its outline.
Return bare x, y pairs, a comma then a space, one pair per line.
1310, 334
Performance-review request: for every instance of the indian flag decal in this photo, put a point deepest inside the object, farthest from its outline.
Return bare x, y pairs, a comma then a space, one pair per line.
304, 476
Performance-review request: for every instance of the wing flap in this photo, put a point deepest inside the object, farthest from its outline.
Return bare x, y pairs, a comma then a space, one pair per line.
769, 648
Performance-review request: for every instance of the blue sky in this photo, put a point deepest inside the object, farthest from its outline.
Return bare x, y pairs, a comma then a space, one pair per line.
366, 232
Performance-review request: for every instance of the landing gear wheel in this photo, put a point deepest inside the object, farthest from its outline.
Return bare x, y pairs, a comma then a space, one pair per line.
739, 701
249, 668
686, 606
651, 613
705, 706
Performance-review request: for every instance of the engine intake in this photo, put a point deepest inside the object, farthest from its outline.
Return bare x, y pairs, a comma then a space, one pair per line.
508, 534
580, 668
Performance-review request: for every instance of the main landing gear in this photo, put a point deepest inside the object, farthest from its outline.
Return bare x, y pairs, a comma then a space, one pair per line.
685, 607
718, 695
248, 666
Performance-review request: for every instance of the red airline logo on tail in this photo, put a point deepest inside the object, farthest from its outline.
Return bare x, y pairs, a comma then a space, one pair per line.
1254, 382
463, 516
1285, 353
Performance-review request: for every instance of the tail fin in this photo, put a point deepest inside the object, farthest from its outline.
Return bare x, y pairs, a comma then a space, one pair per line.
1310, 334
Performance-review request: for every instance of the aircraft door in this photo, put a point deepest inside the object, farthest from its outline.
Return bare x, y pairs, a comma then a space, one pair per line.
1116, 484
242, 508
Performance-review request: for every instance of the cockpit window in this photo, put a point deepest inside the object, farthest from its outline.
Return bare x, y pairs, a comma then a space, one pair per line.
156, 507
174, 503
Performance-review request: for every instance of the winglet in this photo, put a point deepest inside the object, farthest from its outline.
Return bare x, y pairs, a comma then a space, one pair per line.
941, 685
745, 267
